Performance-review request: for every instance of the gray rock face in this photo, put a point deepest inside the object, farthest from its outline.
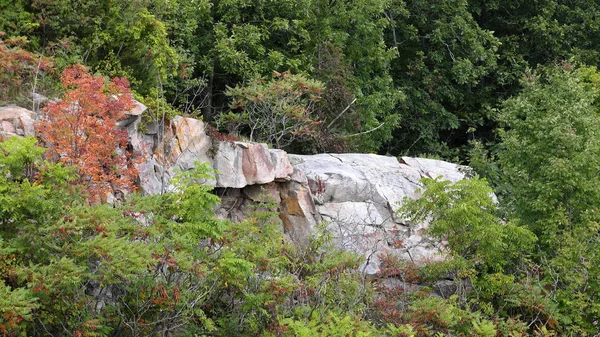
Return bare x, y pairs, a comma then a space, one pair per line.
184, 143
359, 195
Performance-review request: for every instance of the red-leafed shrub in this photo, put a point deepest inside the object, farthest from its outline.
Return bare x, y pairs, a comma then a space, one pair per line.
21, 72
80, 130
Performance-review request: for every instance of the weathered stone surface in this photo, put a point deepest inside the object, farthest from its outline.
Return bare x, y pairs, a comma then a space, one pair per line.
360, 194
16, 121
8, 127
266, 193
256, 164
282, 168
228, 163
12, 112
192, 142
137, 110
297, 212
133, 117
185, 143
151, 177
357, 194
240, 164
432, 168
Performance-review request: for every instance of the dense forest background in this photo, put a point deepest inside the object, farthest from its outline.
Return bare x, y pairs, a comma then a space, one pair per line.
509, 87
419, 77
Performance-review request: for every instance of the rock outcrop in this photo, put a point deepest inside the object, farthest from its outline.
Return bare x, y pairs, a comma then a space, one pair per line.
356, 195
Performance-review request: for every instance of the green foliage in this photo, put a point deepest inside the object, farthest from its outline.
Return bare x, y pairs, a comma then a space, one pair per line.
464, 215
550, 154
278, 111
119, 38
549, 158
444, 58
372, 75
15, 18
333, 324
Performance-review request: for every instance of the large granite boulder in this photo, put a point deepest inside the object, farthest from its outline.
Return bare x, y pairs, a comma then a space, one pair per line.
359, 196
239, 164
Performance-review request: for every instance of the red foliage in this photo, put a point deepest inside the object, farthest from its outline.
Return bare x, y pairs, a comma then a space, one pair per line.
213, 133
80, 130
318, 187
19, 66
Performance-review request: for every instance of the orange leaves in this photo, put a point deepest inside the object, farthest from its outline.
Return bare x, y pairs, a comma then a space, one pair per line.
19, 68
80, 130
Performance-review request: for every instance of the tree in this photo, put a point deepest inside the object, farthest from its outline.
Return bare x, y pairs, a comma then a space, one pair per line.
80, 131
465, 216
444, 59
278, 111
549, 159
550, 152
540, 32
481, 251
22, 73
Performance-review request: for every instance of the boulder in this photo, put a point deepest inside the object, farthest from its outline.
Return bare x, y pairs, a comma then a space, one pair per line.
240, 164
185, 142
16, 121
359, 196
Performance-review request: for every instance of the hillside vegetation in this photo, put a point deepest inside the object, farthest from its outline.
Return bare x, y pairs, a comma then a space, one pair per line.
509, 87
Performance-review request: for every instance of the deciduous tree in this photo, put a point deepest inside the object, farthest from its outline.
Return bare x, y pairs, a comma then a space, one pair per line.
80, 131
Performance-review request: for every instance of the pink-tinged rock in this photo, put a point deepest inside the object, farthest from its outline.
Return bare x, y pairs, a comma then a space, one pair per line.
8, 127
191, 135
137, 110
185, 143
14, 112
28, 125
227, 160
256, 164
281, 165
21, 120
